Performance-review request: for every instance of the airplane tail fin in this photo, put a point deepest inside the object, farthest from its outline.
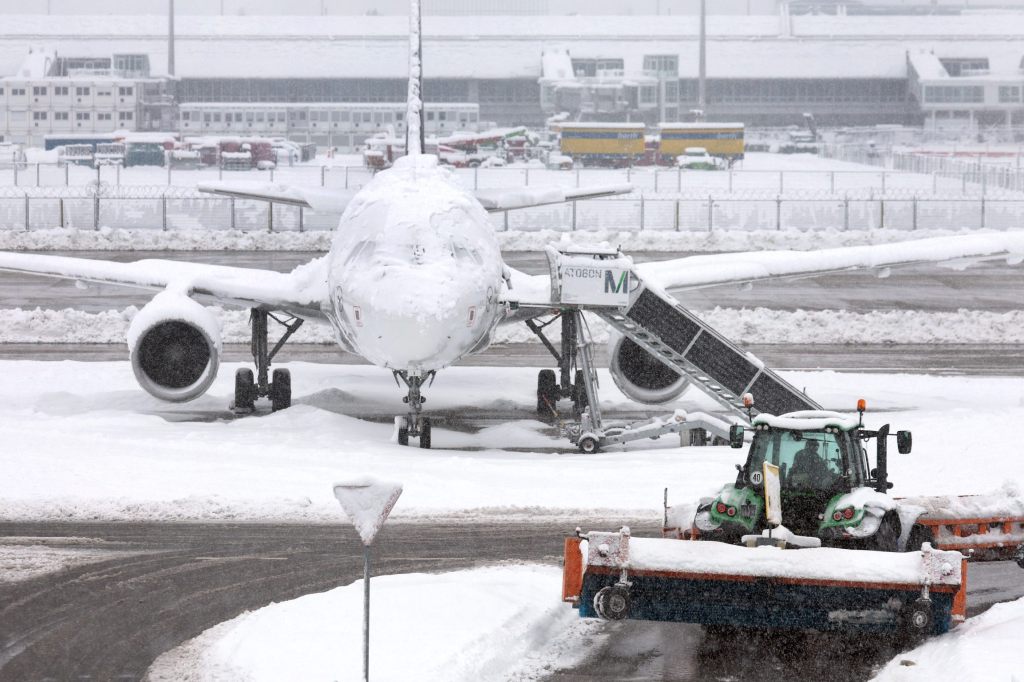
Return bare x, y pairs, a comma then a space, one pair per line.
415, 142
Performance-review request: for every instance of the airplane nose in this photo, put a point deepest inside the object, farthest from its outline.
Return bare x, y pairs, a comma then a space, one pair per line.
423, 333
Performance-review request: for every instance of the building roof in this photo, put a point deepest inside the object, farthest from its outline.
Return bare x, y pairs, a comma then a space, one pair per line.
512, 47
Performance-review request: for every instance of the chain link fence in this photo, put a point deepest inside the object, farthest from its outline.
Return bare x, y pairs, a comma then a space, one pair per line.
909, 176
178, 208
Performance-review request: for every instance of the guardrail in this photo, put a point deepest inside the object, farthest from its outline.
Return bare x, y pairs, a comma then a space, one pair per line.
179, 208
645, 179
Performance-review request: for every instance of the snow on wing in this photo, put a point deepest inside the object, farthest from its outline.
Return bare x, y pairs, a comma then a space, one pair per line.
525, 197
316, 199
695, 272
300, 291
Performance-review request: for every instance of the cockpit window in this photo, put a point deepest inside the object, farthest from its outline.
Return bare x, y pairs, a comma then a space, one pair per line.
363, 251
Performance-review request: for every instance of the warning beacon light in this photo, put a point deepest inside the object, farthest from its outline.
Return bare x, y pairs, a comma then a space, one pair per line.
748, 400
861, 406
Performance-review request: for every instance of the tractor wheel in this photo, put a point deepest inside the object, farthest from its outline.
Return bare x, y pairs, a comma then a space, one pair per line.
612, 602
1019, 556
918, 536
588, 445
281, 390
887, 537
245, 389
547, 392
425, 433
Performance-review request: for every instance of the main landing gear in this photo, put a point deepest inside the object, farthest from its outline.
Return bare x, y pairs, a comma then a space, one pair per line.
277, 386
414, 424
568, 383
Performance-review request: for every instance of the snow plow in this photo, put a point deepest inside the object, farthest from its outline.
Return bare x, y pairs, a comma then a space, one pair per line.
864, 561
911, 595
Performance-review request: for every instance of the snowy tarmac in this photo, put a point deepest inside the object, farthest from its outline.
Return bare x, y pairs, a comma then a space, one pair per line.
111, 618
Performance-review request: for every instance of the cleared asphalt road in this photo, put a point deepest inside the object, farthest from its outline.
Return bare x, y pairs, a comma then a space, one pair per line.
990, 286
109, 620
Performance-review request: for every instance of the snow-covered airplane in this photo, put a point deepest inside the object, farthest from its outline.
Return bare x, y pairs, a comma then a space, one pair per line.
414, 281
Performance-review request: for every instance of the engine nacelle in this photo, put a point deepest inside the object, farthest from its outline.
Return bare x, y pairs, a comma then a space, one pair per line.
175, 345
640, 375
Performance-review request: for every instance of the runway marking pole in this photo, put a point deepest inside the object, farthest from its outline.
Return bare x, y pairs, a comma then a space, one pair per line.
367, 503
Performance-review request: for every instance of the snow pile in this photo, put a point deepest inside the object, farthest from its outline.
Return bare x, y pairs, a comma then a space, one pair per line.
1008, 500
486, 624
744, 326
983, 648
821, 563
111, 239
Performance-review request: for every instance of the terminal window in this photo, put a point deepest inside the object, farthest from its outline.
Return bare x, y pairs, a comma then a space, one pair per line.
1009, 93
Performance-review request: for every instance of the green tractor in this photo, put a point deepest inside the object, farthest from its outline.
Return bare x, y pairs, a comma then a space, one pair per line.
827, 488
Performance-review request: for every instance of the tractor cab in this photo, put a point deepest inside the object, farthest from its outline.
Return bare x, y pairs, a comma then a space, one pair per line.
824, 476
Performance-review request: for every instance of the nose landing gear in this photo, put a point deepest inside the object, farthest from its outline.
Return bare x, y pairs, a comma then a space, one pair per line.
414, 424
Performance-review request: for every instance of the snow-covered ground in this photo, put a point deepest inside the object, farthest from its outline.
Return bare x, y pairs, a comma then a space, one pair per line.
983, 649
495, 624
500, 623
82, 441
745, 326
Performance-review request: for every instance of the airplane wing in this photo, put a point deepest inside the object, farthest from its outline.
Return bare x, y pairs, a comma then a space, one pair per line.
696, 272
335, 201
299, 292
958, 252
524, 197
313, 198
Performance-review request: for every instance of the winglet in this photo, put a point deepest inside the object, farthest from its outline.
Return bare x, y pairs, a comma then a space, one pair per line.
415, 142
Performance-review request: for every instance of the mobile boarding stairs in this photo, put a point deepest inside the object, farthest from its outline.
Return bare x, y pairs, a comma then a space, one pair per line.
604, 282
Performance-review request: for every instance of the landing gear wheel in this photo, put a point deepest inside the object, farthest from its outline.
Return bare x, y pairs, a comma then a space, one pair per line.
403, 431
579, 392
281, 390
588, 445
425, 433
245, 389
612, 602
547, 391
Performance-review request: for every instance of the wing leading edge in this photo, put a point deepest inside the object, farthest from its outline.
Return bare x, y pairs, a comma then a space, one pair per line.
958, 252
299, 292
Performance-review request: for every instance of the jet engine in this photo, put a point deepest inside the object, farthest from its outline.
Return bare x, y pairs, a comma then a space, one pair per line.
640, 375
175, 345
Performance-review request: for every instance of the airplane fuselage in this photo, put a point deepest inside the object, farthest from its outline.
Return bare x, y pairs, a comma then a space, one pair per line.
414, 271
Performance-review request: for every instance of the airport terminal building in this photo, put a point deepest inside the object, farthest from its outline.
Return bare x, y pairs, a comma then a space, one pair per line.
336, 80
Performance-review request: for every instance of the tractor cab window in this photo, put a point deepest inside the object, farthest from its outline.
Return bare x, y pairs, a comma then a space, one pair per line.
806, 459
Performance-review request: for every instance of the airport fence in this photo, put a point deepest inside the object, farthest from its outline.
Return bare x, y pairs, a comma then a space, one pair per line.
162, 208
967, 181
